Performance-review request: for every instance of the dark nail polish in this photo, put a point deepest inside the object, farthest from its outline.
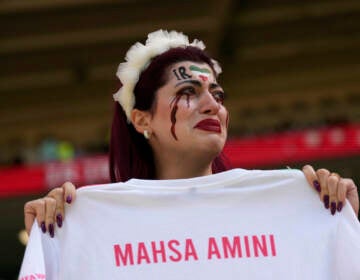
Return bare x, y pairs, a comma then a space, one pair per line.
59, 220
69, 199
43, 227
51, 230
326, 201
333, 208
340, 206
317, 185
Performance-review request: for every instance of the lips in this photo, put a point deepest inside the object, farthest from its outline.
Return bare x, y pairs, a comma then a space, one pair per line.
209, 125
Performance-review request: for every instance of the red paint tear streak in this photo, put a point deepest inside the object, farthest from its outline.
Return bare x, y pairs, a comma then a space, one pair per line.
174, 103
173, 115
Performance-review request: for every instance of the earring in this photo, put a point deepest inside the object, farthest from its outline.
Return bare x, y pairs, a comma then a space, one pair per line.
146, 134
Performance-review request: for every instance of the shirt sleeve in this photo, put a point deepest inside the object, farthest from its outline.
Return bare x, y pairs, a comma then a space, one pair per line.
347, 252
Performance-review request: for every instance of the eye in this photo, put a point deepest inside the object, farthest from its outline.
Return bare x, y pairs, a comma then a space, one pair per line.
187, 91
219, 96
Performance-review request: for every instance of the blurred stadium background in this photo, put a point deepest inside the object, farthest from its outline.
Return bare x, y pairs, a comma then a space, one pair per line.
291, 74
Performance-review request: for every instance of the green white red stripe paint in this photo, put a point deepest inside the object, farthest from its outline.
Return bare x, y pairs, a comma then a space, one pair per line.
202, 73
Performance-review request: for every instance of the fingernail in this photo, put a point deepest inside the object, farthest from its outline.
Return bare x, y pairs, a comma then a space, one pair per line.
326, 201
51, 230
43, 227
59, 220
317, 185
333, 208
69, 199
340, 206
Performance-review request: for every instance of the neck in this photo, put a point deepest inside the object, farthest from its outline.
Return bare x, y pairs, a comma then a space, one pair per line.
180, 168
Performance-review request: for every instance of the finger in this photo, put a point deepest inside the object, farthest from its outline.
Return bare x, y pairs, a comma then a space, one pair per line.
29, 217
323, 175
311, 177
50, 207
352, 195
58, 195
341, 193
34, 209
69, 192
332, 183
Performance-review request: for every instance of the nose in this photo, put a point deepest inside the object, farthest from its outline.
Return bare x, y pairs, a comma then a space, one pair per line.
208, 104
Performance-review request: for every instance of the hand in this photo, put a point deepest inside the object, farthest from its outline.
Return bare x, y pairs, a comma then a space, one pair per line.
332, 188
49, 208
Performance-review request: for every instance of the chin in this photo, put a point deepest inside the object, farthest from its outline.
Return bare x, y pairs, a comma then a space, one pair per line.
216, 139
214, 145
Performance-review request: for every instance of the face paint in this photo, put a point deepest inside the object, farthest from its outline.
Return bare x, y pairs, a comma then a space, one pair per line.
201, 73
175, 101
181, 74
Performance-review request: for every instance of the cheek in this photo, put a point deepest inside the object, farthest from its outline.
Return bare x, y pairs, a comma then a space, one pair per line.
186, 105
169, 114
187, 114
163, 110
182, 105
224, 116
175, 115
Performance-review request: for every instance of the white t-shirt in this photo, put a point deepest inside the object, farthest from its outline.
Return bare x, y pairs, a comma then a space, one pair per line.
237, 224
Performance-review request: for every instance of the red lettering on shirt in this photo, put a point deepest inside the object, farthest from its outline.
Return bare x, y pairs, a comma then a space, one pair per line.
142, 253
262, 246
175, 250
160, 251
124, 258
247, 246
231, 249
190, 250
272, 244
213, 249
33, 276
171, 245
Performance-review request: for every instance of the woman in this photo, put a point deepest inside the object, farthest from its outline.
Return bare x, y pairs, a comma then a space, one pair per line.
170, 122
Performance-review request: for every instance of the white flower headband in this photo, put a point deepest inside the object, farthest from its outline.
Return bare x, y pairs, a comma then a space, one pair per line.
138, 58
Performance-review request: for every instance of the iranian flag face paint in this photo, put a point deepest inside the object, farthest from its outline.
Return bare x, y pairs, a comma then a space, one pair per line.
202, 73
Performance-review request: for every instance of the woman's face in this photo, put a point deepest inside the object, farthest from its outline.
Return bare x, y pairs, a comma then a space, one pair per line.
189, 115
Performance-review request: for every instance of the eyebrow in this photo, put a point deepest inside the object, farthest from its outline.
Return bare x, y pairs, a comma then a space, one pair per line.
197, 83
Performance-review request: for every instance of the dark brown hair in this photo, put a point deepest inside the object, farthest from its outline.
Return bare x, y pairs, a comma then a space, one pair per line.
130, 154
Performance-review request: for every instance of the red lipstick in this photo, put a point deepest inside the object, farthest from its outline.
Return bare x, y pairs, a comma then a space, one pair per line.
209, 125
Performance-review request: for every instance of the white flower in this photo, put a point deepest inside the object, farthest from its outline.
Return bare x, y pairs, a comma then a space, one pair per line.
138, 57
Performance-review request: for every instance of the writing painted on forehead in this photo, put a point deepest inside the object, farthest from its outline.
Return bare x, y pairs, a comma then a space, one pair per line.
180, 73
